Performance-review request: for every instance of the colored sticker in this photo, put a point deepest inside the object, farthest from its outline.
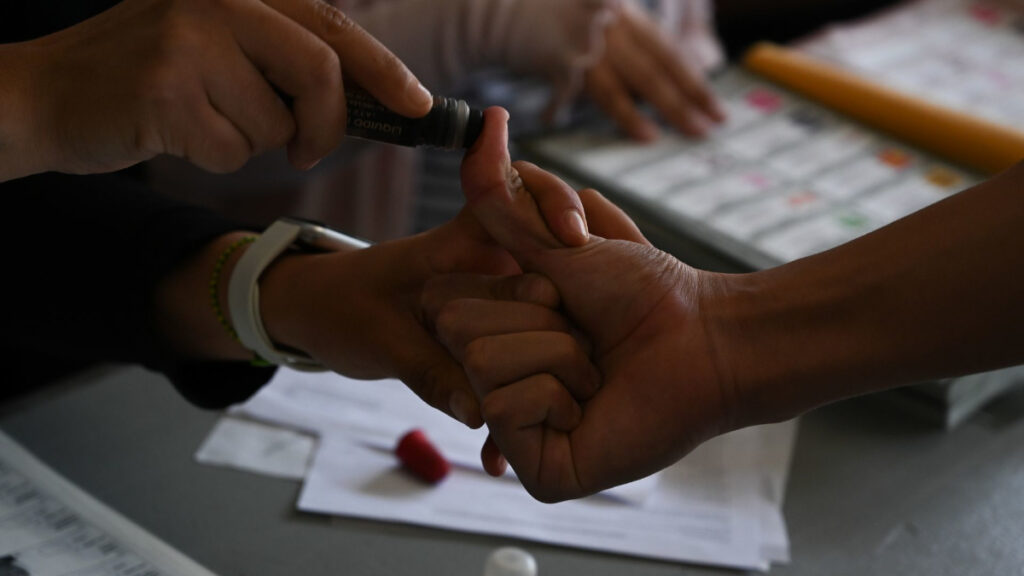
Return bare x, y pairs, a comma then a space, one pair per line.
853, 220
942, 177
986, 14
801, 198
895, 157
764, 100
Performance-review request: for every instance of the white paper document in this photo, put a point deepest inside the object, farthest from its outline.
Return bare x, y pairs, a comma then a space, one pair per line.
49, 527
720, 505
258, 447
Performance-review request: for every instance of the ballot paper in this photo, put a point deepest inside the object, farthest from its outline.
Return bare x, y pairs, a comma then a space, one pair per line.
965, 54
720, 505
781, 179
49, 527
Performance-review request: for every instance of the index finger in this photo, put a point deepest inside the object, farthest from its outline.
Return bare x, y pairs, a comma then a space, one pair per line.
362, 57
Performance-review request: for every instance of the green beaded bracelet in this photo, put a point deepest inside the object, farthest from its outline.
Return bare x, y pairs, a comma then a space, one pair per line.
215, 283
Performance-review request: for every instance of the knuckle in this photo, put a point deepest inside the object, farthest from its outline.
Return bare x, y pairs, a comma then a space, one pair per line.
476, 359
161, 88
272, 133
164, 99
551, 387
448, 325
432, 299
563, 345
535, 288
333, 20
182, 32
448, 319
495, 412
429, 385
150, 141
217, 150
325, 67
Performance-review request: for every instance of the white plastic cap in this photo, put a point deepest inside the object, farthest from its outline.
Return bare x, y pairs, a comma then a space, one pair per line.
510, 561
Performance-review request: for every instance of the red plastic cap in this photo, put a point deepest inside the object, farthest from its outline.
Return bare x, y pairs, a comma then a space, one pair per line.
421, 457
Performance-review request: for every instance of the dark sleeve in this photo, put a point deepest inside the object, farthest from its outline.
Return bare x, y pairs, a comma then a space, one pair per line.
30, 19
85, 254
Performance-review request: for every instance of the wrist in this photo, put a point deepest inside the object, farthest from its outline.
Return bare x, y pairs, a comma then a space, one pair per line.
287, 299
758, 333
296, 291
798, 336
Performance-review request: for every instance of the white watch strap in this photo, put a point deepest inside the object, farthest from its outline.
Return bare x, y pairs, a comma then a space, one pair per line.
244, 289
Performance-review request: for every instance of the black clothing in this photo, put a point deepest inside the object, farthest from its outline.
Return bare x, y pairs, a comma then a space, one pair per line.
85, 254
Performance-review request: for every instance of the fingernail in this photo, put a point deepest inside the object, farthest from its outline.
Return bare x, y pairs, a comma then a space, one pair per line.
578, 227
423, 95
515, 181
464, 409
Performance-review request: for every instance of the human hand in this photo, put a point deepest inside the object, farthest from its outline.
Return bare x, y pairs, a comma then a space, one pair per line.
367, 313
198, 80
662, 391
640, 61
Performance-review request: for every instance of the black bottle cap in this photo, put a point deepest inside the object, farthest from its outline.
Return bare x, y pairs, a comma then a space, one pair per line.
474, 126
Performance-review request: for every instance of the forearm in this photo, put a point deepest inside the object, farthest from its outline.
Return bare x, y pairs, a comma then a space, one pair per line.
936, 294
20, 151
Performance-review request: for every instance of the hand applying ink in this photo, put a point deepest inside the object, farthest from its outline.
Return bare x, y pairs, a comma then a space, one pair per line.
193, 79
660, 393
379, 326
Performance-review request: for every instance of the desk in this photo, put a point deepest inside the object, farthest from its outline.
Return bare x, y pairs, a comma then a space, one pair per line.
873, 490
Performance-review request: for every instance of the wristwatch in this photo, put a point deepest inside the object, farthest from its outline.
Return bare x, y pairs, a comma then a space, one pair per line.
244, 288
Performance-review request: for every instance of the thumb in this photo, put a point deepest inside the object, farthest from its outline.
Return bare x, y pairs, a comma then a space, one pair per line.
520, 219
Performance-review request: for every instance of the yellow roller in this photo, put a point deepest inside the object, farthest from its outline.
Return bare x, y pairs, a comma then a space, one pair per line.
956, 136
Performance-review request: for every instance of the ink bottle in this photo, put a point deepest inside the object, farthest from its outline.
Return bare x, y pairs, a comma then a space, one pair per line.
451, 124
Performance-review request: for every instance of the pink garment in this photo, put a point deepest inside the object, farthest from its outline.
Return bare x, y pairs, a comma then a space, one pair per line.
691, 25
445, 41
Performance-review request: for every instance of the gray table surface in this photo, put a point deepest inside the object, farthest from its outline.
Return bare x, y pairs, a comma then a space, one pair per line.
874, 489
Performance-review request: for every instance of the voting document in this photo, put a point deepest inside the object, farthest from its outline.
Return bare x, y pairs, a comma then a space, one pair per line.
49, 527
